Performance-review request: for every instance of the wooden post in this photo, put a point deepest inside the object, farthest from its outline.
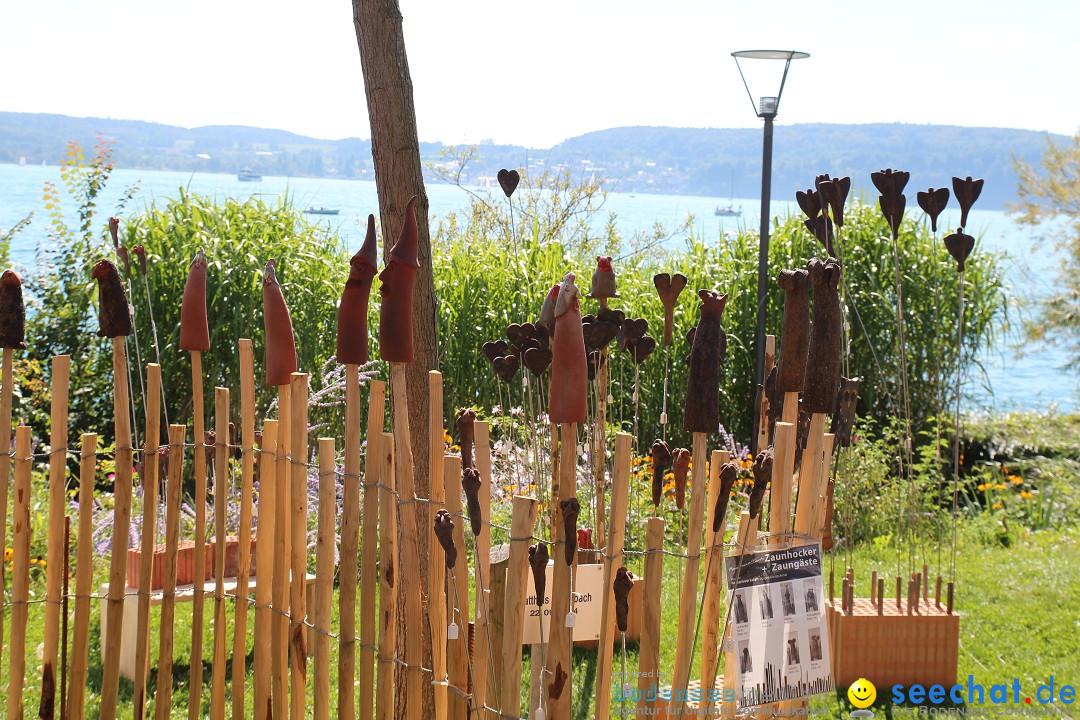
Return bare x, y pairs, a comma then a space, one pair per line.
410, 551
199, 552
20, 573
149, 482
484, 681
763, 400
264, 573
7, 391
780, 484
84, 576
436, 566
279, 641
689, 594
712, 597
298, 397
350, 547
600, 447
243, 554
560, 637
620, 488
61, 374
649, 657
324, 576
812, 480
523, 518
163, 697
388, 577
221, 509
369, 576
110, 673
458, 596
827, 445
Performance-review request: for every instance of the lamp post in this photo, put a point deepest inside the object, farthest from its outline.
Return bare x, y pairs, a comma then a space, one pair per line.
766, 109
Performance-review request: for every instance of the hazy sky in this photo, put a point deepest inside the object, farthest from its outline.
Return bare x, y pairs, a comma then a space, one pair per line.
535, 73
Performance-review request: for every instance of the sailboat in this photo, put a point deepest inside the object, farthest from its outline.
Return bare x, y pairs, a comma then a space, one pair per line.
729, 210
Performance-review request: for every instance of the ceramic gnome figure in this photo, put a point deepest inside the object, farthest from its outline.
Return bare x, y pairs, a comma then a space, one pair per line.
823, 358
280, 343
398, 278
603, 280
569, 374
702, 412
547, 310
352, 327
194, 329
12, 312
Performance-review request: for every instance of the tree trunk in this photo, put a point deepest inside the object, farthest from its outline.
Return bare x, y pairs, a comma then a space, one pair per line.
395, 150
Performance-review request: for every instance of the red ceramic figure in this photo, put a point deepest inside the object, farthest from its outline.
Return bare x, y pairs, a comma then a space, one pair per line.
396, 316
280, 344
352, 329
547, 310
569, 374
194, 330
603, 279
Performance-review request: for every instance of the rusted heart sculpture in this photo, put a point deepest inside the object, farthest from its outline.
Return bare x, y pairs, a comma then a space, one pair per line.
495, 349
933, 202
508, 181
642, 348
610, 316
598, 335
959, 246
669, 287
506, 367
967, 192
537, 360
630, 331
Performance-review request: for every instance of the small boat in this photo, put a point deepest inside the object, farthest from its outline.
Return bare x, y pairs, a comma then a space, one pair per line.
727, 211
248, 175
321, 210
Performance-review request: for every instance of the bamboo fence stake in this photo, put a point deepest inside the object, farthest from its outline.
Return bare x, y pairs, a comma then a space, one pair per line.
458, 649
221, 509
780, 484
6, 393
560, 636
149, 482
264, 573
20, 573
388, 577
110, 673
436, 565
199, 552
620, 488
61, 375
712, 597
350, 545
649, 653
484, 681
84, 577
369, 575
763, 400
298, 447
600, 446
64, 615
163, 696
410, 551
812, 480
243, 551
279, 641
324, 577
688, 596
790, 412
523, 518
827, 445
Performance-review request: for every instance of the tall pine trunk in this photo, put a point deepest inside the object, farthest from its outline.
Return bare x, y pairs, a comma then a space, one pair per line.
395, 150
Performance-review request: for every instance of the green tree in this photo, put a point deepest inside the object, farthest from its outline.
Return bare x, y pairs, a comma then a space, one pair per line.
1050, 199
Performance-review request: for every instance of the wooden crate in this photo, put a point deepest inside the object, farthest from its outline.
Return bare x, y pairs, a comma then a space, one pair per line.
893, 647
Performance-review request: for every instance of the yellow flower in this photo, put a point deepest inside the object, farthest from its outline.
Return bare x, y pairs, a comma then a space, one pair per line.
999, 486
1016, 479
997, 506
8, 553
1027, 495
982, 487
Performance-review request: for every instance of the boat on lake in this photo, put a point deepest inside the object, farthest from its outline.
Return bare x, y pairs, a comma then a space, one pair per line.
321, 210
727, 211
248, 175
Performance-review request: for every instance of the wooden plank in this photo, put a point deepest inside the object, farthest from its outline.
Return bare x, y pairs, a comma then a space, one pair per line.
560, 637
7, 391
763, 400
149, 482
649, 651
243, 557
812, 481
712, 596
324, 577
620, 488
600, 447
388, 577
457, 597
298, 453
484, 680
110, 672
199, 566
780, 484
221, 510
688, 598
163, 696
350, 548
84, 577
279, 641
58, 440
436, 610
369, 575
264, 577
20, 573
523, 518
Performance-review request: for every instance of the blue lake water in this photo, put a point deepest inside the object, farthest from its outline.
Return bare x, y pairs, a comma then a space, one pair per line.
1018, 376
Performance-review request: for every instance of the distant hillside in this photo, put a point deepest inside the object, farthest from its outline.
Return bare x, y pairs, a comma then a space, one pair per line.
697, 161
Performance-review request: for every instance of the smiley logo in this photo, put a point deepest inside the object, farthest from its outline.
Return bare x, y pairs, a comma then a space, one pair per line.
862, 693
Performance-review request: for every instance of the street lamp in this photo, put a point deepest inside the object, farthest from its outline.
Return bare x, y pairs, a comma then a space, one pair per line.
766, 108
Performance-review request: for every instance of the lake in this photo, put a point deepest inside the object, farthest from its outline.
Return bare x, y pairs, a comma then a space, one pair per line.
1019, 376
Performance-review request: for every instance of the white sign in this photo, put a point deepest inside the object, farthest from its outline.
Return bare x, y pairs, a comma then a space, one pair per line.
587, 600
781, 641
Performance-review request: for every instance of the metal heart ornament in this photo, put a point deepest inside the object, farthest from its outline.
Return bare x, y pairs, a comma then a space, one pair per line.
508, 181
959, 246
